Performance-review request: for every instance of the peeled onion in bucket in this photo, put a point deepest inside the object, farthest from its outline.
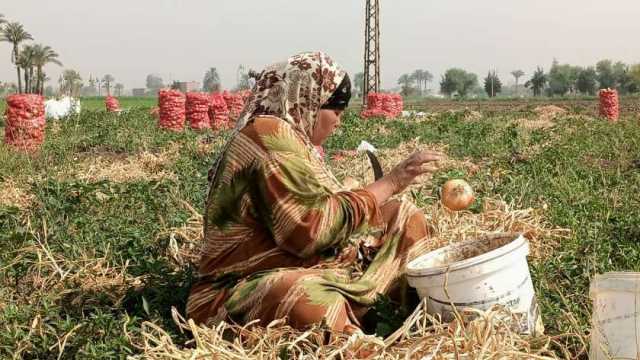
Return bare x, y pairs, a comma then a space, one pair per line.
457, 195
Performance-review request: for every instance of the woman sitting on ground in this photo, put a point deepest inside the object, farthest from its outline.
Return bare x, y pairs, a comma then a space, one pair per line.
279, 228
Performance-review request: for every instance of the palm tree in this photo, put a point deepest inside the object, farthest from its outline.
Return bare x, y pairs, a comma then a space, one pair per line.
107, 80
2, 20
43, 55
71, 80
517, 74
417, 76
15, 34
118, 88
537, 82
25, 62
422, 77
427, 77
43, 79
92, 84
99, 87
211, 81
406, 80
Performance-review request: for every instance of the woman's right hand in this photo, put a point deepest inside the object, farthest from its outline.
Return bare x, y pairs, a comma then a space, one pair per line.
404, 174
418, 163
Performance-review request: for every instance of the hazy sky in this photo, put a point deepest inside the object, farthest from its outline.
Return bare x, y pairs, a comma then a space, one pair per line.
181, 39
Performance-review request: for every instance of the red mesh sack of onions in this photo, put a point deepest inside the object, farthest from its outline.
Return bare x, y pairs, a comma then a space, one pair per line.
374, 106
390, 106
24, 121
218, 112
235, 104
172, 109
609, 104
112, 104
399, 104
197, 110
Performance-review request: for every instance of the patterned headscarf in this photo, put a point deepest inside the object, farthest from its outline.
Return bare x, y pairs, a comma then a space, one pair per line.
294, 91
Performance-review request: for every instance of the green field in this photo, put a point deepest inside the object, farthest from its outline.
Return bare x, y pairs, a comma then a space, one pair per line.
85, 246
97, 103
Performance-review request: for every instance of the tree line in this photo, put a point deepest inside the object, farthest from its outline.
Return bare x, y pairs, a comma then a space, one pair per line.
560, 80
30, 61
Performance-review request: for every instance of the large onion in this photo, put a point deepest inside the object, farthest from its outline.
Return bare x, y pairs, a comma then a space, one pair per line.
457, 195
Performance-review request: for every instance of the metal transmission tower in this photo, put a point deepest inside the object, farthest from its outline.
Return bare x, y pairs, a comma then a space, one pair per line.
371, 49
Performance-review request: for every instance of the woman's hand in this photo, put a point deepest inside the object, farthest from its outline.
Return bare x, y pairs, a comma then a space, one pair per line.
404, 174
419, 163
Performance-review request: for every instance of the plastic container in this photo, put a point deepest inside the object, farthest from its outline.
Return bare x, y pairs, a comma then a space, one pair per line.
615, 332
478, 274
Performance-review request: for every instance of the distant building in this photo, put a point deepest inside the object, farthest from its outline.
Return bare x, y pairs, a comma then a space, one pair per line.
188, 86
139, 92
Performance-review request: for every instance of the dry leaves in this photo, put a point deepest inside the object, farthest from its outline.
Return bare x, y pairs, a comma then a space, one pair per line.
13, 194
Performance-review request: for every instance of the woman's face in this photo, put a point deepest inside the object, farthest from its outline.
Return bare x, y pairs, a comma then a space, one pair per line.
328, 122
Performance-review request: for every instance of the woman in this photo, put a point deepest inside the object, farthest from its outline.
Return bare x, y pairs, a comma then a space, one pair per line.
275, 214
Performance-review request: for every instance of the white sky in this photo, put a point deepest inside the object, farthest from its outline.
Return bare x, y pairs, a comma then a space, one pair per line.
181, 39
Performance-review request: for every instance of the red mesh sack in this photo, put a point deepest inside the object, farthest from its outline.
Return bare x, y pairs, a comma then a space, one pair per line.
112, 104
172, 109
218, 112
197, 110
24, 121
390, 106
235, 104
399, 104
374, 106
609, 104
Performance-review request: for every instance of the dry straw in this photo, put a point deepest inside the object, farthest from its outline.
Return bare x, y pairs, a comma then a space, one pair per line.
121, 168
13, 194
488, 336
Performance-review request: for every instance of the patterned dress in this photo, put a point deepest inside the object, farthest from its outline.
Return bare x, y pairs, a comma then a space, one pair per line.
276, 217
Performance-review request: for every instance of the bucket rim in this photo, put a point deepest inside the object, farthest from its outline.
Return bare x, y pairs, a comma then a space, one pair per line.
518, 242
621, 281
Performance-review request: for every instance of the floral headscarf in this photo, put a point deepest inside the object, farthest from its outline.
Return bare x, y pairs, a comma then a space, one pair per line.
294, 90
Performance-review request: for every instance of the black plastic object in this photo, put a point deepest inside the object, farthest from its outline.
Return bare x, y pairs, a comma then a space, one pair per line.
378, 173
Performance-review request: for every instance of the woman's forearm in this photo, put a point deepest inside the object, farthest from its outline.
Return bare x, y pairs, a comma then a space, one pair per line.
382, 189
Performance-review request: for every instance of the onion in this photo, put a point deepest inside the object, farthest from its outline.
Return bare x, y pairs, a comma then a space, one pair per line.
457, 195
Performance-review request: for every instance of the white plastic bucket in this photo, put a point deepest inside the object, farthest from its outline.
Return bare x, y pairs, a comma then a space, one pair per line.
478, 274
615, 332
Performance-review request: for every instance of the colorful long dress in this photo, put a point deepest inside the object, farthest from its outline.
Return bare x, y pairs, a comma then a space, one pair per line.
274, 213
276, 216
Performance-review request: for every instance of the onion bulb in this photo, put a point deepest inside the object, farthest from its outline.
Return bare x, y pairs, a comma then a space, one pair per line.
457, 195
